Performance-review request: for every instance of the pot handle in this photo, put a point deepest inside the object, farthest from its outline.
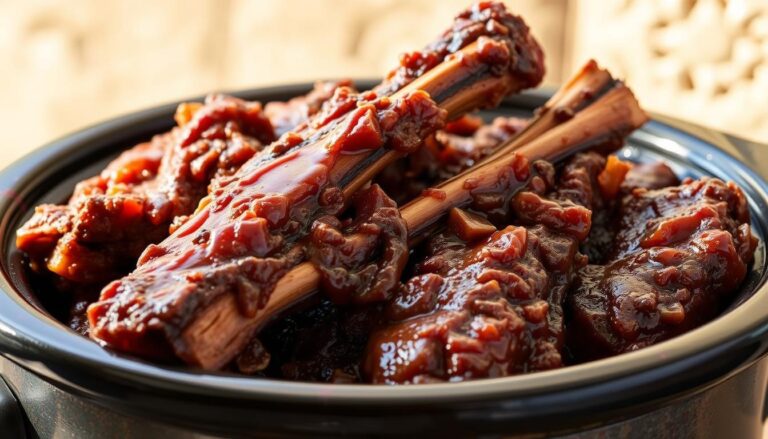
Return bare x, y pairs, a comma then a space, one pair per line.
11, 414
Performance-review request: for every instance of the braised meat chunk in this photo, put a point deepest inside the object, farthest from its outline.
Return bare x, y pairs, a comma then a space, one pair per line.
654, 175
111, 218
679, 254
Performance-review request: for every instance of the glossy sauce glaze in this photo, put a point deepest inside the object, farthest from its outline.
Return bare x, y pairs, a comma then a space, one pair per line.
111, 218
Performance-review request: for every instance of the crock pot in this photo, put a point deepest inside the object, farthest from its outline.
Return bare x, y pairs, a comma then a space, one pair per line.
710, 382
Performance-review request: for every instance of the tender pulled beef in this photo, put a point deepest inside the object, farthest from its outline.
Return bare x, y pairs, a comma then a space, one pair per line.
101, 232
325, 341
457, 147
239, 214
678, 255
491, 306
361, 259
111, 218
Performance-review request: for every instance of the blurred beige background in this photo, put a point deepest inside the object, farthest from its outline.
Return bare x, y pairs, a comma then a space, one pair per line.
70, 63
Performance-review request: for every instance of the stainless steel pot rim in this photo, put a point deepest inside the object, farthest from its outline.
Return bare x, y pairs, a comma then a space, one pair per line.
33, 339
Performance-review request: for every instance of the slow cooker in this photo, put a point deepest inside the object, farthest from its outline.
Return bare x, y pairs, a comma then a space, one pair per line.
710, 382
